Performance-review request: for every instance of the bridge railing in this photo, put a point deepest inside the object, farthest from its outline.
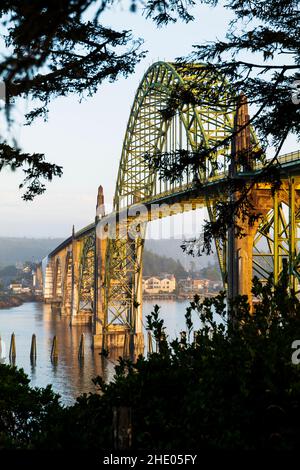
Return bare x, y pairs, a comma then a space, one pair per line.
189, 185
285, 158
289, 157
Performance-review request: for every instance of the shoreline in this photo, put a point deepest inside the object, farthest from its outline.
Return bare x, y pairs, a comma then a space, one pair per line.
15, 300
189, 296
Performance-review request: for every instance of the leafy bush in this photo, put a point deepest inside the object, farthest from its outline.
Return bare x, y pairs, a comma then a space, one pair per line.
234, 387
230, 385
26, 413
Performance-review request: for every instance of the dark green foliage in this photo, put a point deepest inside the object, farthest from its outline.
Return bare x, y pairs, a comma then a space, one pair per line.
164, 12
53, 50
235, 388
25, 412
212, 272
229, 386
266, 34
59, 47
34, 167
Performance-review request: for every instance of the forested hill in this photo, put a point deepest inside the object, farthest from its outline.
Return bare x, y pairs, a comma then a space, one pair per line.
154, 264
171, 248
19, 250
165, 256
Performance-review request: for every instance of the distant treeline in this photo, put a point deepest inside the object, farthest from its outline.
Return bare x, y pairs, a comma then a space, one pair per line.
10, 274
211, 272
154, 264
160, 256
20, 250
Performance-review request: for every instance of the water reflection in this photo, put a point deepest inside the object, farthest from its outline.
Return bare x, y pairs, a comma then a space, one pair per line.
68, 374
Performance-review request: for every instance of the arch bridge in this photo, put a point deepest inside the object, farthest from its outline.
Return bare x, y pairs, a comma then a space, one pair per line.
96, 274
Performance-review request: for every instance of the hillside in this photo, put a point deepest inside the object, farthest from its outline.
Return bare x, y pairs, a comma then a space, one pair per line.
19, 250
155, 264
171, 249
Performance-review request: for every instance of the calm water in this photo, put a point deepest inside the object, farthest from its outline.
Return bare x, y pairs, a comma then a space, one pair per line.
69, 377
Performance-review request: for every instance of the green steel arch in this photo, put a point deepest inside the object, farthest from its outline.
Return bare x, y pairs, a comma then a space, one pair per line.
149, 132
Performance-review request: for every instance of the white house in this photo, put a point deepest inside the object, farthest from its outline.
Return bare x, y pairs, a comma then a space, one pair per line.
156, 284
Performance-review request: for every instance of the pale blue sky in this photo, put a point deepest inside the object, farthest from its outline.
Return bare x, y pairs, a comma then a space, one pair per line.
86, 138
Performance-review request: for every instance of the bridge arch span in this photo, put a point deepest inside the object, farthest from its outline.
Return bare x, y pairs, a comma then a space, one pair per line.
149, 131
191, 126
106, 274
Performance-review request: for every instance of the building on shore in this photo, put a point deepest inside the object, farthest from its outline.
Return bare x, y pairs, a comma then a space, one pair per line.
185, 287
190, 285
159, 284
18, 288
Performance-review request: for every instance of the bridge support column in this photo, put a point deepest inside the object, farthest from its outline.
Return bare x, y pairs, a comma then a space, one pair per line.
99, 311
240, 250
76, 317
138, 337
48, 287
99, 288
244, 260
39, 277
66, 308
75, 281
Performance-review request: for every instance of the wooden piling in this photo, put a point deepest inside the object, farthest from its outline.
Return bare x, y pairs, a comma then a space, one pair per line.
81, 347
150, 343
54, 350
12, 349
126, 344
33, 348
2, 349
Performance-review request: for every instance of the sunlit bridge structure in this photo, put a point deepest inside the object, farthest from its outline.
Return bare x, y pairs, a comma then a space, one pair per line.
96, 274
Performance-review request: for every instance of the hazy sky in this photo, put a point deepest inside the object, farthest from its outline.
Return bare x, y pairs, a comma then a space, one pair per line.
86, 138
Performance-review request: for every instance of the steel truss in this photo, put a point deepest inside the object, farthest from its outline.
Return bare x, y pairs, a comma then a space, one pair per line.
277, 240
86, 285
150, 133
67, 291
106, 277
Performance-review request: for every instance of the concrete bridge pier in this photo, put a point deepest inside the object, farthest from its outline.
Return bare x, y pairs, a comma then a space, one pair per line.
48, 287
99, 289
99, 315
39, 284
66, 308
112, 337
240, 250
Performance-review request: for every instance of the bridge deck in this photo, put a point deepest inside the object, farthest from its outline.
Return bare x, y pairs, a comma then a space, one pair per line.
289, 162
